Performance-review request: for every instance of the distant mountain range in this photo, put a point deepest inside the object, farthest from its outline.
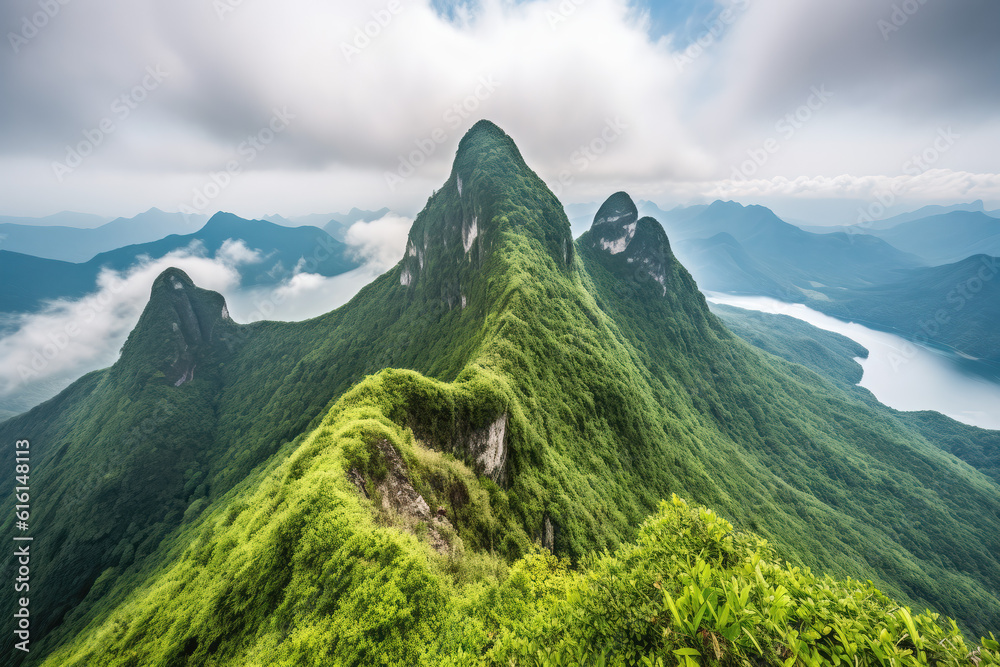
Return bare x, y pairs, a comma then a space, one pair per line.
888, 223
748, 249
896, 279
63, 219
334, 224
27, 281
72, 244
946, 238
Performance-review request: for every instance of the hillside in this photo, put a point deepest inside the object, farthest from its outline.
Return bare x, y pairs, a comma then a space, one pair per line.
829, 354
833, 356
354, 488
28, 281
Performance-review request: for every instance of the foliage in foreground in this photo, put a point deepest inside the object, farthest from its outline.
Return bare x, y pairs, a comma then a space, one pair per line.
691, 591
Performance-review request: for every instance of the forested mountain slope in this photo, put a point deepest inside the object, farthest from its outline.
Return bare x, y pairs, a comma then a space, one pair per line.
336, 490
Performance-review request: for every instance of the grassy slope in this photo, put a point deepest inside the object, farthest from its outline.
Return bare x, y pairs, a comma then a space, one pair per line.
607, 415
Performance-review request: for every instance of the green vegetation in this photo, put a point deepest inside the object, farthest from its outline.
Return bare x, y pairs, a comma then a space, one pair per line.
270, 518
691, 592
825, 352
832, 356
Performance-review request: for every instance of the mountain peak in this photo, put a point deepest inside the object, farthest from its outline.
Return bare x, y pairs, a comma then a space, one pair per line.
491, 190
480, 141
639, 245
615, 223
182, 327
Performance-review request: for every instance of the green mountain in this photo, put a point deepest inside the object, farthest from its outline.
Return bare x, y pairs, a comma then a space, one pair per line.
28, 281
372, 486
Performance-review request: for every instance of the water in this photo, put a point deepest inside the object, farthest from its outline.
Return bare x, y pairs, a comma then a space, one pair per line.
901, 374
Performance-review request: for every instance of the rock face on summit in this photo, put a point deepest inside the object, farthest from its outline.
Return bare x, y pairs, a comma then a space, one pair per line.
640, 243
615, 223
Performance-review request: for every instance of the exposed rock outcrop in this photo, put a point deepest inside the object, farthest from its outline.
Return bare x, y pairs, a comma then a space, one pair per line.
400, 501
641, 243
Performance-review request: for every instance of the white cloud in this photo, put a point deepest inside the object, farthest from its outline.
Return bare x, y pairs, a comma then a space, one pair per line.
552, 84
48, 349
380, 242
235, 252
933, 185
301, 297
67, 338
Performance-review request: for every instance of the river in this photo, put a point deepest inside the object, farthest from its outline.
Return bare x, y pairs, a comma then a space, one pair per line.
901, 374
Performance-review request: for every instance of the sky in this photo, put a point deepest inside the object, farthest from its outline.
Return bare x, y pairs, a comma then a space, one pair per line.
820, 109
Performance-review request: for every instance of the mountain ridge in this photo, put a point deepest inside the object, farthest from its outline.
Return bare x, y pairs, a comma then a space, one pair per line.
536, 390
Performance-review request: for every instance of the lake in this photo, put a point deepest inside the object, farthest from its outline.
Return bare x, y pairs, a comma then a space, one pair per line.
901, 374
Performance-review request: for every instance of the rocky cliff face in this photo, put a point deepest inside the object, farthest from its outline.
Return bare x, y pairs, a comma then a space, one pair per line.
615, 223
641, 244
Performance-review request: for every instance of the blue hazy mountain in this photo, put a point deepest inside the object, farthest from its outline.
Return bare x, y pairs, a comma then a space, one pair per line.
748, 249
72, 244
26, 281
62, 219
888, 223
946, 238
334, 224
955, 306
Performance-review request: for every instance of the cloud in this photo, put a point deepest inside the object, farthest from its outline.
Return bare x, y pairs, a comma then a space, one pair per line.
43, 352
933, 185
235, 253
380, 242
366, 87
301, 297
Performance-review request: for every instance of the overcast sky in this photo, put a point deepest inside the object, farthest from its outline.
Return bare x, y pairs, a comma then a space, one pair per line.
261, 106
